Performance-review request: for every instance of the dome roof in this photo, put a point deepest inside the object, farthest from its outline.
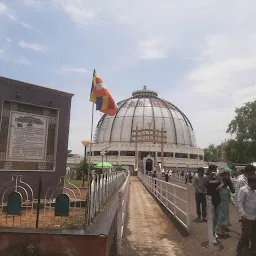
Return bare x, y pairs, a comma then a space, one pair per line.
145, 109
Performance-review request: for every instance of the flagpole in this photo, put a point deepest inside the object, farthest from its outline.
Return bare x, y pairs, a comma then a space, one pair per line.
89, 167
90, 171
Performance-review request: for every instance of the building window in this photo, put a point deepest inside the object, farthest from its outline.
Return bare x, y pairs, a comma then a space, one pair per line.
96, 153
181, 155
193, 156
112, 153
127, 153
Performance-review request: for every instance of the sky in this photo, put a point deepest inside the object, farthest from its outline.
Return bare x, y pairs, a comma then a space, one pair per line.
200, 55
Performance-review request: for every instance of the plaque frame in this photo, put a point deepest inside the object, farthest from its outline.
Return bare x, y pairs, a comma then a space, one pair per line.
50, 159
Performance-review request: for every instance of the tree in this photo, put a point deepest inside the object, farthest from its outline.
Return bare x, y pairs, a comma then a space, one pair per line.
242, 149
118, 168
212, 153
83, 167
243, 126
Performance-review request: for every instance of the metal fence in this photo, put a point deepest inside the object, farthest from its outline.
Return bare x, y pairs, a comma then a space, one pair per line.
121, 212
61, 206
102, 188
174, 198
111, 220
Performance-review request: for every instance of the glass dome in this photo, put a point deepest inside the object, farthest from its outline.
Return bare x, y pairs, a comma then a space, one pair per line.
145, 109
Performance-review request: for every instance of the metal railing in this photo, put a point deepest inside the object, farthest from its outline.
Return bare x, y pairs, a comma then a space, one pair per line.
111, 219
175, 198
121, 212
102, 187
176, 176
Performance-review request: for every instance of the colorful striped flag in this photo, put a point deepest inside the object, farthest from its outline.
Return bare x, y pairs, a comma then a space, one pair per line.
101, 96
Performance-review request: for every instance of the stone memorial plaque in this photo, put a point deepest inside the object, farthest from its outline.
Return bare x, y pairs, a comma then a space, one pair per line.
27, 137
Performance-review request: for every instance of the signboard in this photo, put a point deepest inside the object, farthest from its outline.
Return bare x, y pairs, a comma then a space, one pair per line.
28, 135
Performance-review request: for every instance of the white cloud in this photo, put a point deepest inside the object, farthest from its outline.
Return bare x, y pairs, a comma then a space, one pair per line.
33, 46
11, 15
223, 79
76, 11
5, 54
22, 61
72, 70
31, 2
154, 48
3, 8
26, 25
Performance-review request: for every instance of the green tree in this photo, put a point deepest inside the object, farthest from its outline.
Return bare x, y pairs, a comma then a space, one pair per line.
118, 168
83, 168
242, 149
243, 126
212, 153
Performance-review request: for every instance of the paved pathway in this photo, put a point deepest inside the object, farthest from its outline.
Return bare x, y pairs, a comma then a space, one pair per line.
149, 232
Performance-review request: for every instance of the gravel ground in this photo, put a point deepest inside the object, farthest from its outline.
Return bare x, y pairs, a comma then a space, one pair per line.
148, 230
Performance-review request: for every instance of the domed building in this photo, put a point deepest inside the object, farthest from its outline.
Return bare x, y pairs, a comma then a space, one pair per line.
147, 129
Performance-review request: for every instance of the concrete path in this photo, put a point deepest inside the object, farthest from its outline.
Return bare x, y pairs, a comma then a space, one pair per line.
148, 230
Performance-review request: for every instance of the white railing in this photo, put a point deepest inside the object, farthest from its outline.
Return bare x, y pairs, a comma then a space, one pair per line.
176, 176
174, 198
102, 187
121, 211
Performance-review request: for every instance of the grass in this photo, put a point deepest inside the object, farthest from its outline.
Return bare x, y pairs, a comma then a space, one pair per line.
78, 183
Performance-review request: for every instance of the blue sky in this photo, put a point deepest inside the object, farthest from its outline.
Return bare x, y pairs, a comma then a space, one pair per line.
199, 55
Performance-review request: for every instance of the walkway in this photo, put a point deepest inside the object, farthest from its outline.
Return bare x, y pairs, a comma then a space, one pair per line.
149, 232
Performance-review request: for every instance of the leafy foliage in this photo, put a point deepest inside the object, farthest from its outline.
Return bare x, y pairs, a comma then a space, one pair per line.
242, 149
212, 153
83, 167
243, 126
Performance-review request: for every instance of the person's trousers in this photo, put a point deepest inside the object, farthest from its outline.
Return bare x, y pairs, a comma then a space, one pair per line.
201, 200
248, 236
216, 212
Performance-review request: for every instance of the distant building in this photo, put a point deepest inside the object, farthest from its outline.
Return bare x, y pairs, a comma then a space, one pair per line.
73, 160
147, 131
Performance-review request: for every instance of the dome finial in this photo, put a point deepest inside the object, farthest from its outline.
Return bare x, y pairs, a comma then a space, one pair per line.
144, 87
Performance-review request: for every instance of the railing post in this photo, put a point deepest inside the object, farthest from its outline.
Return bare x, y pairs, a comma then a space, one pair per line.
119, 225
188, 209
166, 195
210, 224
174, 201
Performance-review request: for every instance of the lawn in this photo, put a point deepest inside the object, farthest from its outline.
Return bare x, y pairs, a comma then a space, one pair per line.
77, 183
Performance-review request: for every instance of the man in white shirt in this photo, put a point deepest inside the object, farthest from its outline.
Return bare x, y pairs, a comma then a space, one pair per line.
242, 179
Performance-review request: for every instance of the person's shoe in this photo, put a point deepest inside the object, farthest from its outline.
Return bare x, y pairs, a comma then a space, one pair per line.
199, 217
204, 220
214, 240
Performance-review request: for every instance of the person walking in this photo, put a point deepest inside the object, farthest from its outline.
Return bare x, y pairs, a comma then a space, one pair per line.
226, 198
246, 205
190, 177
166, 176
213, 184
242, 179
200, 194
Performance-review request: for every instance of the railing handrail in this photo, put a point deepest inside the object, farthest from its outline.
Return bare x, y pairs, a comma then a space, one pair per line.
174, 185
159, 189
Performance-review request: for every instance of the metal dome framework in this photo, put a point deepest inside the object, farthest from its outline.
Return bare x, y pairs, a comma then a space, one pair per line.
140, 110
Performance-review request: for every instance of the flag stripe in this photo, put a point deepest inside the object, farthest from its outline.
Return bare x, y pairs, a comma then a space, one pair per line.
101, 96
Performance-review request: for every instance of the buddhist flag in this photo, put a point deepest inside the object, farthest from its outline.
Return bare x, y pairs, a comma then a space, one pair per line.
101, 96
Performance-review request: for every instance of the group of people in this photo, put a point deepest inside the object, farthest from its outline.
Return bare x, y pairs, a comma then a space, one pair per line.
220, 187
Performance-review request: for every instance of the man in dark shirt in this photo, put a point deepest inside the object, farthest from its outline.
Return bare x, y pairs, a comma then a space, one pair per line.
213, 185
